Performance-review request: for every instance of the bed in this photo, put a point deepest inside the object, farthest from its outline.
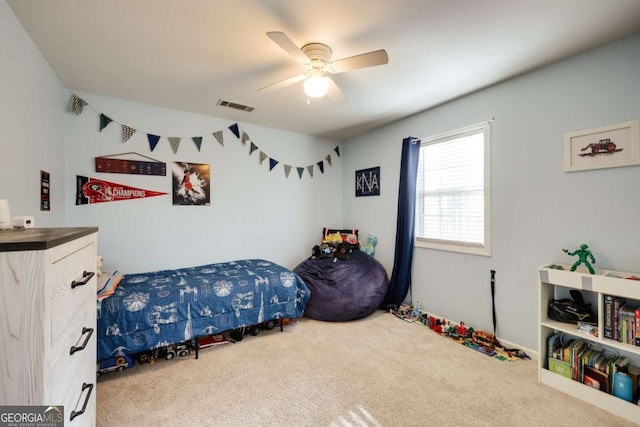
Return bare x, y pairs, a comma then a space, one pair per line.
343, 289
149, 311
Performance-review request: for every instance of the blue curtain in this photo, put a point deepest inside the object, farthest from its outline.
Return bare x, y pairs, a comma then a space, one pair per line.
400, 281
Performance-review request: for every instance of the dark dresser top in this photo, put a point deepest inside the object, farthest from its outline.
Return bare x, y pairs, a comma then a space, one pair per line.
30, 239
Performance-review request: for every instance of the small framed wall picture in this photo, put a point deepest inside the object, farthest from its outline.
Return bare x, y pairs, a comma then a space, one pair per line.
602, 147
45, 191
368, 182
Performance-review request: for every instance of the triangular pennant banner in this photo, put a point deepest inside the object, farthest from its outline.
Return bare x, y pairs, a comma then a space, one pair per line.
245, 137
153, 141
77, 104
321, 166
175, 143
198, 141
262, 157
218, 135
310, 169
272, 163
91, 190
104, 121
287, 170
127, 132
234, 128
252, 148
300, 172
328, 159
337, 150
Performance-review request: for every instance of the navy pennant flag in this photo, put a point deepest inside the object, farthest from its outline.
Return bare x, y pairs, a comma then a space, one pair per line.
321, 166
153, 141
234, 128
272, 163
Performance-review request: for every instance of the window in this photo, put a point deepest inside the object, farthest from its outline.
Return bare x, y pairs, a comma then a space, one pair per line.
452, 191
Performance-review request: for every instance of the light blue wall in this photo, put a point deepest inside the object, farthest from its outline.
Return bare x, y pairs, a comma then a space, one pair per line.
31, 125
254, 212
537, 208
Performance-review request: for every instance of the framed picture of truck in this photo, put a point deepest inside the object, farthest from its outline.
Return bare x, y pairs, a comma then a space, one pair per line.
602, 147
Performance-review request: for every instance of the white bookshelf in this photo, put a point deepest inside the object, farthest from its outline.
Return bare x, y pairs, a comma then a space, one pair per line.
554, 283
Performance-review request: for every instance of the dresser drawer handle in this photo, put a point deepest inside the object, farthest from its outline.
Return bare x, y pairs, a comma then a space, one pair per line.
84, 344
86, 401
86, 276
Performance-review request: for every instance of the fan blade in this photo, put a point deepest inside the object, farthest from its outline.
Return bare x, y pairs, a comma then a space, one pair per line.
334, 93
370, 59
287, 45
284, 83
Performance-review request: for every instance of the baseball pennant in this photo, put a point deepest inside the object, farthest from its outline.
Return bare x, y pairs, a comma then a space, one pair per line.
91, 190
112, 164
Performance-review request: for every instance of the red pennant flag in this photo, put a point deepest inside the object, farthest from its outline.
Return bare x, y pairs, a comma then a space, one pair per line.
91, 190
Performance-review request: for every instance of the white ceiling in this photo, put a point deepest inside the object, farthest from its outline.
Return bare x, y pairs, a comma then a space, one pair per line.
188, 54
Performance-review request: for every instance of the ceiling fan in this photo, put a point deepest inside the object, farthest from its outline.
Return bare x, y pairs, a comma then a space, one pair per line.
316, 59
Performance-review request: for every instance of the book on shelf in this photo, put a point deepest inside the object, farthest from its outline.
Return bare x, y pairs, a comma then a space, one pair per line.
554, 343
617, 303
576, 359
634, 373
627, 322
596, 378
637, 321
608, 316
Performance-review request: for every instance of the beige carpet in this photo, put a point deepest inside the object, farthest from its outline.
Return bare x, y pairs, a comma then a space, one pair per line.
379, 371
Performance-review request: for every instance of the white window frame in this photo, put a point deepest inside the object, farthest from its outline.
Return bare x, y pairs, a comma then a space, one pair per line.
473, 249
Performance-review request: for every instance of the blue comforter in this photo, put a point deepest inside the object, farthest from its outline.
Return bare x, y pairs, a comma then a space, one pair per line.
152, 310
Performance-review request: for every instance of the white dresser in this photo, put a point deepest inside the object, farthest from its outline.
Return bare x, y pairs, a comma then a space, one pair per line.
48, 320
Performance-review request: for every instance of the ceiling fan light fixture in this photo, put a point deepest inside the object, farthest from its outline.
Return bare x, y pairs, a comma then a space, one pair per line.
316, 86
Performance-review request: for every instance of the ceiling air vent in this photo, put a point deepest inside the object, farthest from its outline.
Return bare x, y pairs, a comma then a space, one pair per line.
237, 106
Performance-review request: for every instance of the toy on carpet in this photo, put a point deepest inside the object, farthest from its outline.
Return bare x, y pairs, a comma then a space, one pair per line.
369, 247
481, 341
583, 255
